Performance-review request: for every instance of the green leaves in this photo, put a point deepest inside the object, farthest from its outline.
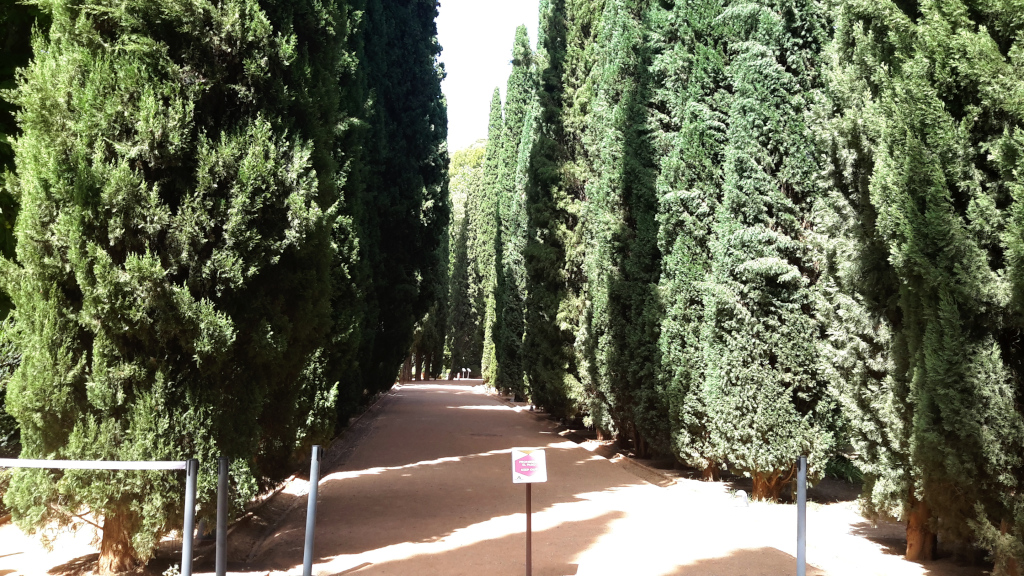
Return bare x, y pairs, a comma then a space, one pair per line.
179, 250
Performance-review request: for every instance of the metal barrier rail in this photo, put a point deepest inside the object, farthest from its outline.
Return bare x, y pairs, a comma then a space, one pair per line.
191, 468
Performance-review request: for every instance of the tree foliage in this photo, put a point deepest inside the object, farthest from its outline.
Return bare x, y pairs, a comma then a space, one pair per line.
404, 218
510, 277
930, 119
222, 204
466, 299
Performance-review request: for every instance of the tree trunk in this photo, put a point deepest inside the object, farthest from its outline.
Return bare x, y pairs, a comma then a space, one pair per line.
920, 539
406, 369
116, 554
1010, 566
711, 473
417, 370
767, 486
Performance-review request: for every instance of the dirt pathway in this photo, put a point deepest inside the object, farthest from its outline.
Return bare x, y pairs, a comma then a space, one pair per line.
426, 489
421, 486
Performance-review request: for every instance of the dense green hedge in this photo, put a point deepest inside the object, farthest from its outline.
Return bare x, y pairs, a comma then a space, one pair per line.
757, 229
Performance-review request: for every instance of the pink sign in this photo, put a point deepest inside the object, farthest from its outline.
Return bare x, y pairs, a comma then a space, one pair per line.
529, 466
526, 466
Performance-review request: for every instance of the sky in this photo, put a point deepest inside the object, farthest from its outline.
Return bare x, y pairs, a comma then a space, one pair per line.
476, 37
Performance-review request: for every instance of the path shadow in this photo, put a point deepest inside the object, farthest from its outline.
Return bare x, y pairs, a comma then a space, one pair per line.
889, 536
429, 501
77, 567
746, 562
431, 468
500, 556
892, 538
826, 491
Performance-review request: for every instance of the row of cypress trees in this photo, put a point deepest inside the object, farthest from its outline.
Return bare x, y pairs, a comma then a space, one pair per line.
736, 231
231, 203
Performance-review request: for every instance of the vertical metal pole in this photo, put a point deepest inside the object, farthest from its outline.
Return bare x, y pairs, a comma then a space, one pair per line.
222, 517
801, 516
529, 530
188, 533
314, 480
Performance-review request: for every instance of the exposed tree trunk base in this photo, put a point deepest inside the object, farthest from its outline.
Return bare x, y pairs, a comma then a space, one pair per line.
768, 486
712, 473
921, 541
116, 553
406, 370
640, 445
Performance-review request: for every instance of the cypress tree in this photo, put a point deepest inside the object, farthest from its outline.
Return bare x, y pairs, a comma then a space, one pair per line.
552, 294
579, 22
485, 243
874, 389
623, 264
689, 109
16, 23
464, 344
767, 389
405, 217
175, 253
510, 280
942, 164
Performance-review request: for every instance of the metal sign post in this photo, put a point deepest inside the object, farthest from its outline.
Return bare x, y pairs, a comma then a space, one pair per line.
222, 517
801, 516
188, 534
314, 481
529, 467
529, 530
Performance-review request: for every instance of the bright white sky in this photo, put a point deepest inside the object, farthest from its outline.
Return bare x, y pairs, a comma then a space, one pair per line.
477, 36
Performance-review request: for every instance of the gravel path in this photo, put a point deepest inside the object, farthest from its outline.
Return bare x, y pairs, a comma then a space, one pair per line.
425, 488
421, 485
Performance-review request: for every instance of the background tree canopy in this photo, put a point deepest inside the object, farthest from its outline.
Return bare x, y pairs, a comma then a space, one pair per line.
759, 229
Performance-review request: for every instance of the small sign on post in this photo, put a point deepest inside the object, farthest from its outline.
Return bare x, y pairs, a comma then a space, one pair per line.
529, 467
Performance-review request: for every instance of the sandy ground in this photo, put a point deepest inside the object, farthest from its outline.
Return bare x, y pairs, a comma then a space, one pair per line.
423, 486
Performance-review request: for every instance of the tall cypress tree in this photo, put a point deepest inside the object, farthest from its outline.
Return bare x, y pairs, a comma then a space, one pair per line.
174, 252
942, 164
485, 236
579, 22
464, 344
16, 24
689, 108
873, 388
623, 264
552, 293
406, 213
510, 281
767, 388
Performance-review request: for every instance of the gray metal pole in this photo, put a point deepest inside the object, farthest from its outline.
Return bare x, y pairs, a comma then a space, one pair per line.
529, 530
801, 516
314, 481
222, 517
188, 532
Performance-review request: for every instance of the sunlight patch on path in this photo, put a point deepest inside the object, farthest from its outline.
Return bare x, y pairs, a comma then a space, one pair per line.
346, 474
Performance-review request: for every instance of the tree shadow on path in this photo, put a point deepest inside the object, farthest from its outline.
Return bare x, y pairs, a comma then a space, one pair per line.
436, 467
